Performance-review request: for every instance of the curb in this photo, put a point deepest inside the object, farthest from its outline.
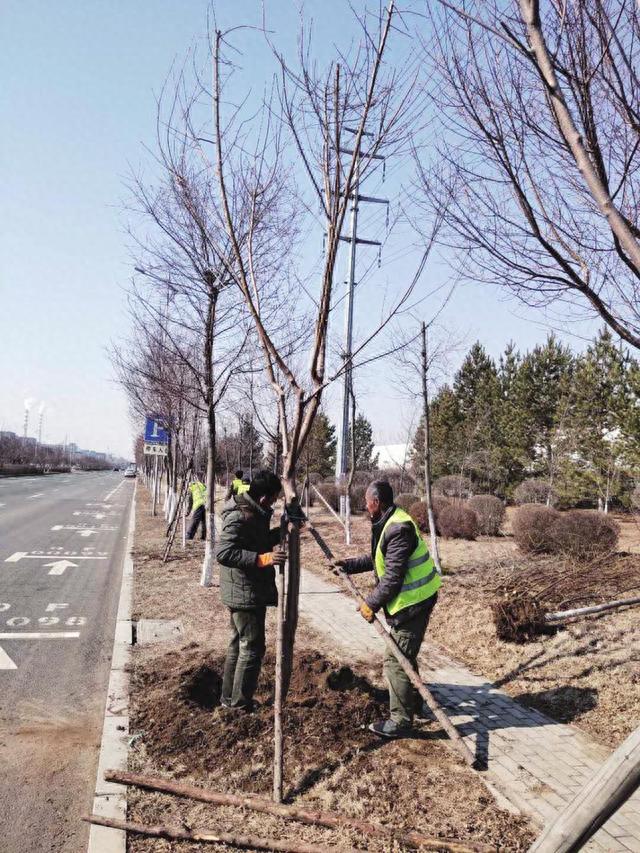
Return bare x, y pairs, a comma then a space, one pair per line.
110, 800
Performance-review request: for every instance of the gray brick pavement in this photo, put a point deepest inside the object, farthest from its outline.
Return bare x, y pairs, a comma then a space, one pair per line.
533, 761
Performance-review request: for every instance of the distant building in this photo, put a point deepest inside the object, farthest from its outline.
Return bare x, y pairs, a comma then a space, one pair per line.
392, 455
4, 433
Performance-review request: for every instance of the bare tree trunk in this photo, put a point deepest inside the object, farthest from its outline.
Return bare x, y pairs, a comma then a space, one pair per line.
209, 548
427, 454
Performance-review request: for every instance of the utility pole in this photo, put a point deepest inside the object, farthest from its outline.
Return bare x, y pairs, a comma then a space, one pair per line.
342, 454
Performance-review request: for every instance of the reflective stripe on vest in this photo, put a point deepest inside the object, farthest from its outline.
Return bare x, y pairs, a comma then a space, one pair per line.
242, 488
198, 495
422, 579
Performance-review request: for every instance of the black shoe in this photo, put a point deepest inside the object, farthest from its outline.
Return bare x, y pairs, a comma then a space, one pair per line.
247, 707
389, 729
425, 713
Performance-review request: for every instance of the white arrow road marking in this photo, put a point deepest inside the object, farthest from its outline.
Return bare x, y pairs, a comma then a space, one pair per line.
24, 555
94, 514
5, 660
58, 567
39, 495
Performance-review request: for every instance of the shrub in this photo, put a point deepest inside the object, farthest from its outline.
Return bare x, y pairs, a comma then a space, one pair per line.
533, 491
584, 534
406, 500
418, 512
532, 525
330, 493
457, 521
490, 511
453, 486
357, 498
635, 497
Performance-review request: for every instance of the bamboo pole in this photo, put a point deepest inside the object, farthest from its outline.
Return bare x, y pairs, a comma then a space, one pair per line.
214, 836
412, 675
330, 820
612, 785
561, 615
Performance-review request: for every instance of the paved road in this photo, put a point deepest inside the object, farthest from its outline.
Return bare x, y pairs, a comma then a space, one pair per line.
62, 542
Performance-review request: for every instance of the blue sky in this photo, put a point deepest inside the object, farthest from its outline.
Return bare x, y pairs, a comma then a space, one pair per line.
78, 102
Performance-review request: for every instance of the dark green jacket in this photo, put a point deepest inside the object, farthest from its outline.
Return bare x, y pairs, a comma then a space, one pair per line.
245, 534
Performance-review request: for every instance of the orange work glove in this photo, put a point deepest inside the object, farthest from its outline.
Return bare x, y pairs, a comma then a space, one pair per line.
366, 612
277, 557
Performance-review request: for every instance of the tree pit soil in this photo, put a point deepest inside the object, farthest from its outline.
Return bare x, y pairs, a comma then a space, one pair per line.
332, 761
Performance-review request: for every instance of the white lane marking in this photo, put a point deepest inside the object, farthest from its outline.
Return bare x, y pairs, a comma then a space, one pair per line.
5, 660
59, 566
40, 635
24, 555
38, 495
103, 505
1, 505
55, 606
82, 527
121, 483
97, 515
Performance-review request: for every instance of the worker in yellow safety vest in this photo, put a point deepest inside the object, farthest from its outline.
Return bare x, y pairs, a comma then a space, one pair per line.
196, 504
407, 584
235, 484
244, 486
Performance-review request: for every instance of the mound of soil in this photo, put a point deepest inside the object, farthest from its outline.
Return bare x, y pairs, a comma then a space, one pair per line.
186, 730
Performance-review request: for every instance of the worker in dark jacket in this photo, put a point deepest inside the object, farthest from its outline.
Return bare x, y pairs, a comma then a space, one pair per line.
407, 584
247, 552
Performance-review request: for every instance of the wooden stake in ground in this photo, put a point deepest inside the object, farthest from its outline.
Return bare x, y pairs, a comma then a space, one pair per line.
412, 675
612, 786
331, 820
213, 836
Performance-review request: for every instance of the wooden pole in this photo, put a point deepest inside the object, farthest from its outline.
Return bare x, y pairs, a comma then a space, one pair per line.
213, 836
612, 785
561, 615
278, 758
328, 506
412, 675
330, 820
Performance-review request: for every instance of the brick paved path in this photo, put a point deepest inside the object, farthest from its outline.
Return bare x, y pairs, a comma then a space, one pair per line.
533, 761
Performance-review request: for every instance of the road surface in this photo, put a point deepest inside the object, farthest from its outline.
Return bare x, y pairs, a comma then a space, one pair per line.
62, 544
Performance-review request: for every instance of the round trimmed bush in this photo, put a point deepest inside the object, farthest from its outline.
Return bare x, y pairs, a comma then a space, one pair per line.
533, 491
418, 511
357, 498
584, 534
457, 521
406, 500
330, 493
532, 525
635, 497
453, 486
490, 511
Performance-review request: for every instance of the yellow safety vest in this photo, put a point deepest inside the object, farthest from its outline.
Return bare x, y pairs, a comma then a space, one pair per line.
242, 488
235, 485
198, 495
422, 579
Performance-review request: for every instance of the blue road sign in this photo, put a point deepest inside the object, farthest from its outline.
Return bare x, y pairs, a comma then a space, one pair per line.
155, 429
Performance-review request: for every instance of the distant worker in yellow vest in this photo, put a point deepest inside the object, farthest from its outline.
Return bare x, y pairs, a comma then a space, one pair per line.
235, 484
196, 504
407, 584
244, 486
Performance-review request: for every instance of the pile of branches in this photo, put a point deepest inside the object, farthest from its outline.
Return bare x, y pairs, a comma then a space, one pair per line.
528, 591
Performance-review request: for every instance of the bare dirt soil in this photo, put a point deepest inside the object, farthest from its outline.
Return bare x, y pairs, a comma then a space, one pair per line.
331, 760
587, 673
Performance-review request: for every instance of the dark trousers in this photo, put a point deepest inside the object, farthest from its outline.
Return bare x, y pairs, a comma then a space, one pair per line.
199, 517
244, 656
403, 697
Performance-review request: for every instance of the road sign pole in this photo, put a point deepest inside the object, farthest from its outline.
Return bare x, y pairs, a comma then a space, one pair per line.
155, 486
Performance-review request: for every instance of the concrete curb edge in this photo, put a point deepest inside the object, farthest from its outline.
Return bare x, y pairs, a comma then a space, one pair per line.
110, 800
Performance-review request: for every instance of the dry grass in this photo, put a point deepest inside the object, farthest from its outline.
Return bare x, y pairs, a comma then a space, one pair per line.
417, 784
